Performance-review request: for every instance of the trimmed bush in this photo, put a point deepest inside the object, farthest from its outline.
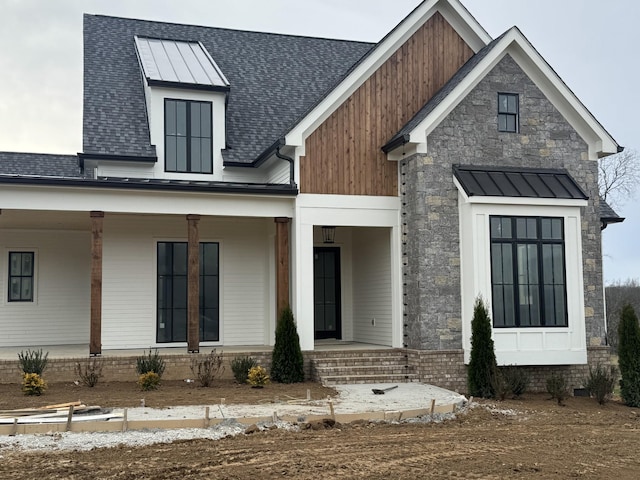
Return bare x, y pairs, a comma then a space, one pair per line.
207, 367
257, 377
33, 384
629, 356
601, 382
240, 367
33, 361
151, 362
558, 387
483, 365
500, 385
149, 381
287, 362
90, 372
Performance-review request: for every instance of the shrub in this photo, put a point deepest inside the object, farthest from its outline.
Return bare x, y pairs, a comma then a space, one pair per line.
287, 362
517, 378
500, 385
33, 361
241, 366
151, 362
601, 382
483, 365
149, 381
257, 376
558, 387
90, 372
33, 384
629, 356
206, 368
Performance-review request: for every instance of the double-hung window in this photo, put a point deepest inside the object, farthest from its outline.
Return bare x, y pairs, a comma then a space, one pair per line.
187, 127
21, 276
508, 112
528, 272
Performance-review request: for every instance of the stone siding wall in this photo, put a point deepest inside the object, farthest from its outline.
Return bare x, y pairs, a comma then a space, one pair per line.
469, 136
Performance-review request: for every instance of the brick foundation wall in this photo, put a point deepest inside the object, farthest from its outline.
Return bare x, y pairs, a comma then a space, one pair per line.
446, 369
124, 368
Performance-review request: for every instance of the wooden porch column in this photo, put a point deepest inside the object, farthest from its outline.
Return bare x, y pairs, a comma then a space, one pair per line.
95, 334
193, 285
282, 264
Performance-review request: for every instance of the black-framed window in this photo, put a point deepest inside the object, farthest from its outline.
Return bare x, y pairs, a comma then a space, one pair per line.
21, 276
528, 278
187, 136
508, 112
172, 291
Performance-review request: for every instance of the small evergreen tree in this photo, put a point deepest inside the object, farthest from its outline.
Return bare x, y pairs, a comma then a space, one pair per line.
629, 356
287, 362
482, 366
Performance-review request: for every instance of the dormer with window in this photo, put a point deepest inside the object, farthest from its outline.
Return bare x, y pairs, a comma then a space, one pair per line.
185, 93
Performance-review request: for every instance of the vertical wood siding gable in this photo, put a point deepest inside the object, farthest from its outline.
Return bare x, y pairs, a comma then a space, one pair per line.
343, 154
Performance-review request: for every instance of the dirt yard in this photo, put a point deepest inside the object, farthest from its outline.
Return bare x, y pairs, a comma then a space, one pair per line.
528, 438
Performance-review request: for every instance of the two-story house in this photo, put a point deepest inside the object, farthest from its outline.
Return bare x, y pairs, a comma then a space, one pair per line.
378, 189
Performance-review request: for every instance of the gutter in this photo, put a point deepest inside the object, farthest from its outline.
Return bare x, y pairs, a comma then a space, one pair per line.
395, 143
264, 156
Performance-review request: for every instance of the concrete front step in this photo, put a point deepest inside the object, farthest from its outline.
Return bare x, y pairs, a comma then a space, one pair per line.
374, 379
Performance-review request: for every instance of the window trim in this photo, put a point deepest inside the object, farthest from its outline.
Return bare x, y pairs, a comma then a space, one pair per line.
508, 114
539, 242
188, 136
11, 252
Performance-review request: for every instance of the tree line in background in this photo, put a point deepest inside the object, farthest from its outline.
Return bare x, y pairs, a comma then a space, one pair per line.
617, 295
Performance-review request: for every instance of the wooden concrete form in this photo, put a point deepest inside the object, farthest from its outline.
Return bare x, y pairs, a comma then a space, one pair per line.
122, 425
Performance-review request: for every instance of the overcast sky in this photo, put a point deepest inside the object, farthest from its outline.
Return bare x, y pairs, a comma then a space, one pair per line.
591, 44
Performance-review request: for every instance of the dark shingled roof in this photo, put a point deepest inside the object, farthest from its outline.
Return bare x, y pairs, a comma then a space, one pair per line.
39, 164
608, 215
518, 182
401, 137
273, 80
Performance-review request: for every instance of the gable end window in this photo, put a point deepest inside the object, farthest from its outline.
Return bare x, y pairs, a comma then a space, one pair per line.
21, 276
508, 112
528, 283
187, 136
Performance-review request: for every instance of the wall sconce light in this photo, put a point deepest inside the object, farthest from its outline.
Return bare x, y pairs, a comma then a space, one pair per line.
328, 234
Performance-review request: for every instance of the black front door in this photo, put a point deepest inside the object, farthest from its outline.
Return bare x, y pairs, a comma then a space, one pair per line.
326, 292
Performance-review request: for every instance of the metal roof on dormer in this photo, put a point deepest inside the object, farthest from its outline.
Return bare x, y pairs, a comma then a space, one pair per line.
179, 64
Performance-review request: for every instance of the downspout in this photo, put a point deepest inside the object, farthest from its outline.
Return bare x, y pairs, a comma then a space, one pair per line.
281, 156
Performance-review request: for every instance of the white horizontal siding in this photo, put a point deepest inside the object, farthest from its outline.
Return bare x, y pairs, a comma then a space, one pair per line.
279, 173
372, 286
120, 170
59, 313
129, 276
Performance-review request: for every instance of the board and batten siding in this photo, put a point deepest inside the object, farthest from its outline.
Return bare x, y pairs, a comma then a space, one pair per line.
372, 286
59, 314
129, 277
343, 156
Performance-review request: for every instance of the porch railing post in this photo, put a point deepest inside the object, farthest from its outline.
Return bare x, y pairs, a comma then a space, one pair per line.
193, 285
282, 264
95, 334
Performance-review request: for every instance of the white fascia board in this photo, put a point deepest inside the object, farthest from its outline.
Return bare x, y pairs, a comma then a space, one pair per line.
348, 210
459, 18
152, 202
555, 90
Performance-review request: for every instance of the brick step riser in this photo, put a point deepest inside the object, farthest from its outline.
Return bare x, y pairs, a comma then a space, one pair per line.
377, 370
376, 379
356, 354
364, 362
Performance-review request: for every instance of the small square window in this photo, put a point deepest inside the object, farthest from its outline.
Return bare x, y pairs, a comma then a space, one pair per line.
508, 110
21, 276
